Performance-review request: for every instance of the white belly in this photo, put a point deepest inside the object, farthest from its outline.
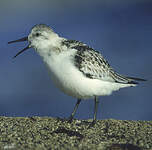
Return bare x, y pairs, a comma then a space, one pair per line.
72, 82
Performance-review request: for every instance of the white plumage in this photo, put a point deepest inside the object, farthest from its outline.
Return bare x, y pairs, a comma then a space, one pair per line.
73, 82
75, 68
59, 58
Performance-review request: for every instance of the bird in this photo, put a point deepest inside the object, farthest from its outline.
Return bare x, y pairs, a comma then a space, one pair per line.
74, 67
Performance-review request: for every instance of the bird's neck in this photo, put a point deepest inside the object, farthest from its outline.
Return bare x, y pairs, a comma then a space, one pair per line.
50, 47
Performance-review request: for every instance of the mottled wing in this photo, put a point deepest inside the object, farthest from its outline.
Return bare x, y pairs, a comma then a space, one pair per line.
92, 64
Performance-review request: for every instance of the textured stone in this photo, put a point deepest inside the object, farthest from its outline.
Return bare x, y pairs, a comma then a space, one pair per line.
44, 133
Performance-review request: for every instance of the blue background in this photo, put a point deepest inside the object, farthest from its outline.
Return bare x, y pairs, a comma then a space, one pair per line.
120, 29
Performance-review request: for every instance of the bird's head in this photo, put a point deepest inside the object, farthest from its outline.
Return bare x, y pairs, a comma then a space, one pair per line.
40, 37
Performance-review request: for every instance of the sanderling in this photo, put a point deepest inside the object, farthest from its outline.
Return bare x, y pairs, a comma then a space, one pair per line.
75, 68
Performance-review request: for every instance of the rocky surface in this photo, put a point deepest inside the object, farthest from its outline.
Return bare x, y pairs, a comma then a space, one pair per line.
44, 133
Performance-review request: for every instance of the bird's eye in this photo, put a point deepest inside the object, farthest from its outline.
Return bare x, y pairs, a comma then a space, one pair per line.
37, 34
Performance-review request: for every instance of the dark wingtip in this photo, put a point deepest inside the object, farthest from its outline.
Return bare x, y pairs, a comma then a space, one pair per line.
132, 82
142, 80
137, 79
10, 42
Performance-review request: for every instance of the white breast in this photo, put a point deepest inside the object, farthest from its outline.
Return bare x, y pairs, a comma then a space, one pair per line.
72, 82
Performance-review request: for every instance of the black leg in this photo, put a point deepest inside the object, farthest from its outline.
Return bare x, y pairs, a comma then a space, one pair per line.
74, 111
96, 102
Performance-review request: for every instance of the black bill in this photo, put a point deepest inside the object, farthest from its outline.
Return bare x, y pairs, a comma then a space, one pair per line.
20, 40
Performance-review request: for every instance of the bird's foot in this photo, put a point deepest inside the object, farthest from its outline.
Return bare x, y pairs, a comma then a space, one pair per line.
70, 119
92, 124
86, 123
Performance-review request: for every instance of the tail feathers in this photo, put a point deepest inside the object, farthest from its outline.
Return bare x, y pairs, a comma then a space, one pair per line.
124, 79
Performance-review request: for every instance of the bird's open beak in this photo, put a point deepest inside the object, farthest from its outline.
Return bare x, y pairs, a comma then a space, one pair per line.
20, 40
